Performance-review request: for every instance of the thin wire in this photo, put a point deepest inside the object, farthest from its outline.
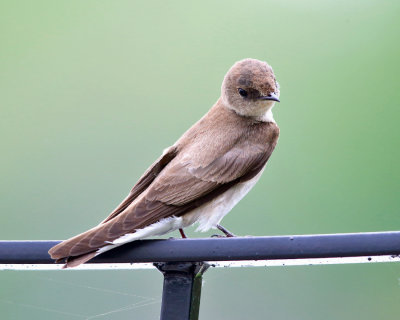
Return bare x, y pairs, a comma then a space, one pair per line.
144, 302
128, 307
95, 288
41, 308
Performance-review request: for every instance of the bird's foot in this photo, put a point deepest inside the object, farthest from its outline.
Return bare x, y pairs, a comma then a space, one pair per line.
227, 233
217, 236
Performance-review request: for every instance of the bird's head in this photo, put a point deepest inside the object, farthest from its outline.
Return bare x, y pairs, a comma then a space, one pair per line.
250, 88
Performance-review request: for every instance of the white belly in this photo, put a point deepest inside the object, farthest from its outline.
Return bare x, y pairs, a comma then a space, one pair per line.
207, 216
211, 214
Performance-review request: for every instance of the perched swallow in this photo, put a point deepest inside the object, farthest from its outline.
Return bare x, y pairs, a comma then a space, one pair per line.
202, 176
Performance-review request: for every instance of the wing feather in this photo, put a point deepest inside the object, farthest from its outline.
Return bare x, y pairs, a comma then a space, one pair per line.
172, 186
146, 179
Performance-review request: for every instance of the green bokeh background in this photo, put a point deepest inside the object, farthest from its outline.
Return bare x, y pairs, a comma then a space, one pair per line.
91, 92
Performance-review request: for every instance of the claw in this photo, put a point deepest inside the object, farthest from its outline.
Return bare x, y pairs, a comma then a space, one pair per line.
217, 236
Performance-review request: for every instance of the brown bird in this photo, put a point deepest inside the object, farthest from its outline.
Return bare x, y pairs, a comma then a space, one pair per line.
202, 176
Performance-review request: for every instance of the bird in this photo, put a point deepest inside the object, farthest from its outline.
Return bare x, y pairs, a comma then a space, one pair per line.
201, 177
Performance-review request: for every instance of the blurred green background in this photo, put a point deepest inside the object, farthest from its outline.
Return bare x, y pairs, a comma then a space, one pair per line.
91, 92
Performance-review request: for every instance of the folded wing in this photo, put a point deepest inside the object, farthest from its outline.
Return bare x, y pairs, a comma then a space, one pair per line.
171, 187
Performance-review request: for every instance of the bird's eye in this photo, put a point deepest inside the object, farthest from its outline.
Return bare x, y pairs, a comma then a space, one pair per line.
242, 92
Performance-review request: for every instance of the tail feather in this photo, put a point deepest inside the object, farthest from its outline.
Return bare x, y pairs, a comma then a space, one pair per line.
79, 245
72, 262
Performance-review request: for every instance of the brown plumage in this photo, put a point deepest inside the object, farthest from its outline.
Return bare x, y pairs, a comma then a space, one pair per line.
229, 146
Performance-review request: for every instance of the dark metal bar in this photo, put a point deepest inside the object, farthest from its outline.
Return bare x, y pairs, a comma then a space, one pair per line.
221, 249
181, 290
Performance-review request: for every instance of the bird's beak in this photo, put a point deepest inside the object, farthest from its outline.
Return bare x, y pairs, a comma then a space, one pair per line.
271, 96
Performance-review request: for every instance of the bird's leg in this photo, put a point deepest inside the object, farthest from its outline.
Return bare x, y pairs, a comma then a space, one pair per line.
225, 231
183, 235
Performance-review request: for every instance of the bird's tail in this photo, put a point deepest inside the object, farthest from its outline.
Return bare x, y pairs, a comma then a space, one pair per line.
72, 262
78, 249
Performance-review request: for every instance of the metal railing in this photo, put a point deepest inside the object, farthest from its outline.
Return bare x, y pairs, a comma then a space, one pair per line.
183, 261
